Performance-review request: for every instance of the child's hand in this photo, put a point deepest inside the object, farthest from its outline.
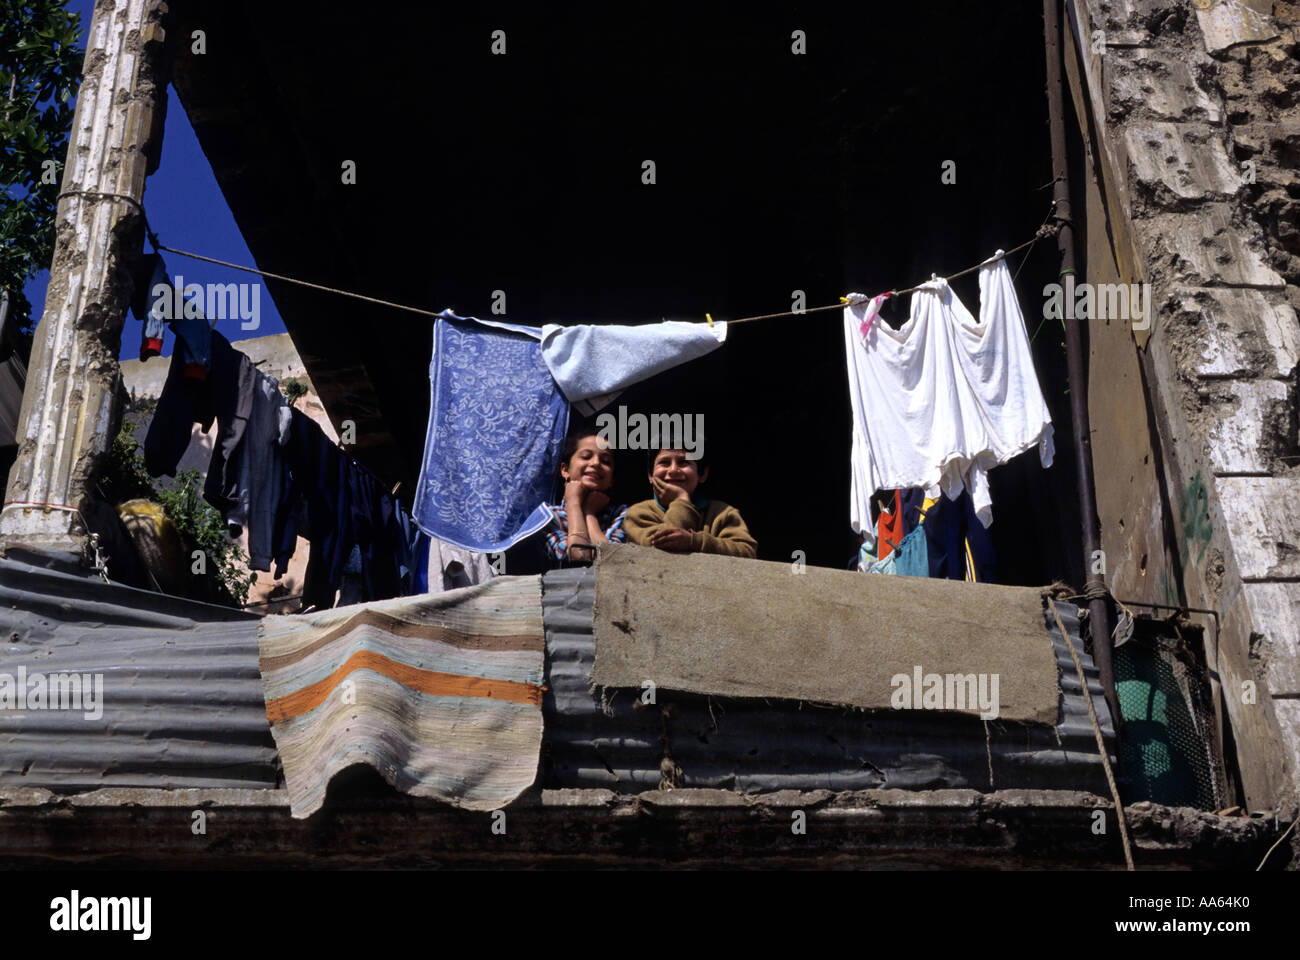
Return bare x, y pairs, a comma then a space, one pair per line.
668, 492
674, 539
576, 490
596, 501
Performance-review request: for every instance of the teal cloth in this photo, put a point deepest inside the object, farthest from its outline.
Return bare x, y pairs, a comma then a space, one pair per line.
911, 559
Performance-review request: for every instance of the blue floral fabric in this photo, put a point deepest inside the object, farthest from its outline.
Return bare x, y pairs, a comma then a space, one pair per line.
497, 422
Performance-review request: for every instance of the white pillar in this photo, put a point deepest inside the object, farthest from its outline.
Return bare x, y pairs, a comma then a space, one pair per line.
72, 380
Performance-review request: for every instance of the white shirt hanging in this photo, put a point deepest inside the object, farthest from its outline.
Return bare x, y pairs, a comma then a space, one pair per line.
943, 399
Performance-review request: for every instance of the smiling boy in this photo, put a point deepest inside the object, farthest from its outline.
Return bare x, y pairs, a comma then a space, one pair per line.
675, 520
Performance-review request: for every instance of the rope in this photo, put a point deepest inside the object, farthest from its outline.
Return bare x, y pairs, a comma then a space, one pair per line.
1101, 741
1044, 231
100, 195
1094, 588
301, 283
1050, 210
1274, 847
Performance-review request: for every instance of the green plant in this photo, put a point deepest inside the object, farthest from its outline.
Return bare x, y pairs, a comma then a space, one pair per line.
125, 478
40, 69
293, 388
203, 525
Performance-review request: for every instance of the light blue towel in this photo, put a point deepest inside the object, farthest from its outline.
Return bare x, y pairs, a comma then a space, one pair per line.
593, 363
497, 422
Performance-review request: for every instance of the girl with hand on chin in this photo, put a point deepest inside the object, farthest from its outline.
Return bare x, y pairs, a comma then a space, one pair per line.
584, 517
678, 521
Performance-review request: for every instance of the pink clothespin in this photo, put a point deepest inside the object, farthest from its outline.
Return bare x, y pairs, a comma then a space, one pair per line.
873, 311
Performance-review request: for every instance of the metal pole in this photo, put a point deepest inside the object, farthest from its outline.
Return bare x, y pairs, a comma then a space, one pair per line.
1098, 612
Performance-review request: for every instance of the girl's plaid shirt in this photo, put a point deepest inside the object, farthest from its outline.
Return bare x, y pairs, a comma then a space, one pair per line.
557, 542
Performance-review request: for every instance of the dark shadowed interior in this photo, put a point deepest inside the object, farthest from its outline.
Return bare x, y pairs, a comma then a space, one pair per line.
523, 173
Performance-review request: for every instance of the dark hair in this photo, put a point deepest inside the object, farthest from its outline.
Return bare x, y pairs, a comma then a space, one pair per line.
652, 455
577, 433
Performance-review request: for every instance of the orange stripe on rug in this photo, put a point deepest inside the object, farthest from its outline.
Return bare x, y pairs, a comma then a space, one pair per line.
425, 681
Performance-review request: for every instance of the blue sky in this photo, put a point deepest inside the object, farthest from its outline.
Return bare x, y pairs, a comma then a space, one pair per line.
187, 210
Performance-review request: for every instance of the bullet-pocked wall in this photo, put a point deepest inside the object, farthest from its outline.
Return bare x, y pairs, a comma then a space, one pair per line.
792, 151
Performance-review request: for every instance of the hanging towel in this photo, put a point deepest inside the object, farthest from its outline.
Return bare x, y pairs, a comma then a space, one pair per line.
497, 421
942, 400
594, 363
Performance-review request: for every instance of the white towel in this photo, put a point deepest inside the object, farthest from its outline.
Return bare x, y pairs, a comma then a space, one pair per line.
943, 399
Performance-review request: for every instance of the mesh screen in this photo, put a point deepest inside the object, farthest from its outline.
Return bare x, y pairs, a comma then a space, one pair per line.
1168, 743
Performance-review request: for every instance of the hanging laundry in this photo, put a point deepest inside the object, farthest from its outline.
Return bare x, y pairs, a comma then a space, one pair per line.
157, 305
226, 396
320, 483
959, 546
593, 363
942, 400
497, 421
413, 567
260, 465
913, 504
450, 568
889, 525
911, 559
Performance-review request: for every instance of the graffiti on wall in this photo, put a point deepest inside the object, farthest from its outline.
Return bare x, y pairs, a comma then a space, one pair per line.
1196, 528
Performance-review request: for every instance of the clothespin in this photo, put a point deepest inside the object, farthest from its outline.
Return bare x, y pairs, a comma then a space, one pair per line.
709, 318
873, 311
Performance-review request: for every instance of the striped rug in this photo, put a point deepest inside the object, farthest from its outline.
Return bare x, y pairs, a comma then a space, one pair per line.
442, 694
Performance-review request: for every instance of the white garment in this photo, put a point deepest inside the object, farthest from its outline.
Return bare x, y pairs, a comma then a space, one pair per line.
943, 399
451, 567
593, 363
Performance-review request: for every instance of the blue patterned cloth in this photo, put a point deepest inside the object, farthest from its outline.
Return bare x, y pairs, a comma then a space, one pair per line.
497, 422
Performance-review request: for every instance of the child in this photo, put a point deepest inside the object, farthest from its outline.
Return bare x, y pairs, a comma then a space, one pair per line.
675, 520
587, 467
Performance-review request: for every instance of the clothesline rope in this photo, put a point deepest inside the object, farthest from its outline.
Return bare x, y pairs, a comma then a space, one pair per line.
1044, 231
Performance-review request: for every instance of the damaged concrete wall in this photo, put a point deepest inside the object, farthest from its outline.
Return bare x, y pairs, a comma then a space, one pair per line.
1193, 112
71, 399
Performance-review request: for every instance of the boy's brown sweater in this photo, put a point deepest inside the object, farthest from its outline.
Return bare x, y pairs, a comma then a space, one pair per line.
719, 529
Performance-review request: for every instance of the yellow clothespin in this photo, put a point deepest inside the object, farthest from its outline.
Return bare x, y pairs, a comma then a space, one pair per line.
709, 318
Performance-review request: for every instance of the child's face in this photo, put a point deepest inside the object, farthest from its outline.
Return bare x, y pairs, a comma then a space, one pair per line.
673, 466
592, 463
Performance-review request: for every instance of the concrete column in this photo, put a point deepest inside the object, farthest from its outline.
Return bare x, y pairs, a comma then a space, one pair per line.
70, 404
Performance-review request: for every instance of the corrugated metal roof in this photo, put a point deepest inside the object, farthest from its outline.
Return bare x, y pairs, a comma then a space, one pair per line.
183, 707
755, 746
182, 701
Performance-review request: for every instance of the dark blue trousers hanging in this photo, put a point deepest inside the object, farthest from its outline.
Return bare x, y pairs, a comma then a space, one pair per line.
949, 527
